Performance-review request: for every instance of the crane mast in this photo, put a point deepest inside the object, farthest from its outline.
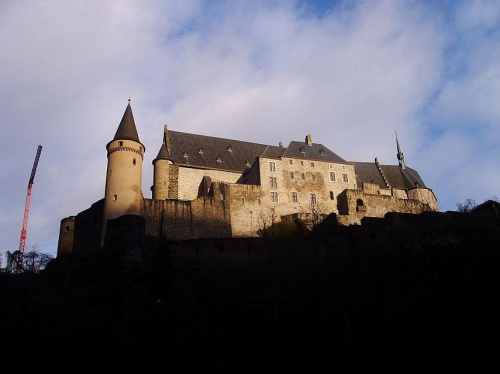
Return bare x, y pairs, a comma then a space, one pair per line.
28, 201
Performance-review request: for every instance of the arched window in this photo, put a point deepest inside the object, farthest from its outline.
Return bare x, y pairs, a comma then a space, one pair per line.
359, 202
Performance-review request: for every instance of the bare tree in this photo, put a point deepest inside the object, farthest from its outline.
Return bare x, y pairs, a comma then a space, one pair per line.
466, 206
32, 261
313, 214
267, 217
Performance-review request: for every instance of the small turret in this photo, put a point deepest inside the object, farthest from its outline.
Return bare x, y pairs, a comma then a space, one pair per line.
401, 157
124, 173
161, 172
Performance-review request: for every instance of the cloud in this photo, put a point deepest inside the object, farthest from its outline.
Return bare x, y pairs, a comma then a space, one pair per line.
349, 74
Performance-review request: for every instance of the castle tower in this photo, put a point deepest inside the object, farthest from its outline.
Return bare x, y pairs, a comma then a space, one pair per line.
401, 157
161, 165
124, 175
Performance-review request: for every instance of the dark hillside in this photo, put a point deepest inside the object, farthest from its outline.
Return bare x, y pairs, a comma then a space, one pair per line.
409, 293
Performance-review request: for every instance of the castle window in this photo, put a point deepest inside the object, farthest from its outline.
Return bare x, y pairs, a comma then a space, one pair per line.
313, 198
312, 164
302, 176
322, 152
247, 163
332, 176
243, 201
273, 182
120, 144
359, 202
274, 197
345, 178
219, 159
133, 161
259, 201
301, 163
332, 196
343, 167
115, 197
331, 166
67, 228
294, 197
272, 166
291, 175
291, 162
222, 196
313, 177
110, 172
200, 151
303, 151
229, 149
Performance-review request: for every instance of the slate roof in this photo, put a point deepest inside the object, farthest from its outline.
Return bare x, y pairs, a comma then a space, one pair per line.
315, 151
127, 130
397, 177
204, 151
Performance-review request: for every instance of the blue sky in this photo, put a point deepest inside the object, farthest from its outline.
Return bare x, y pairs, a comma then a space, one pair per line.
350, 73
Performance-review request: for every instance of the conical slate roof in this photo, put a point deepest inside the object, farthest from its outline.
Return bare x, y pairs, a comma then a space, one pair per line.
126, 129
162, 154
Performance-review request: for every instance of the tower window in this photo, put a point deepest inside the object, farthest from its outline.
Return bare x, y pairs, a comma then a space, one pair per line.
302, 176
312, 164
332, 197
133, 161
301, 163
294, 197
291, 175
120, 144
115, 197
291, 162
274, 197
243, 201
272, 166
313, 177
259, 201
67, 228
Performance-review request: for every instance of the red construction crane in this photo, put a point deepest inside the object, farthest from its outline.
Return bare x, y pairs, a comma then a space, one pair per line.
28, 200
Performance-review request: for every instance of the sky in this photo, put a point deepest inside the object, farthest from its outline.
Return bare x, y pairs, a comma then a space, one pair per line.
350, 73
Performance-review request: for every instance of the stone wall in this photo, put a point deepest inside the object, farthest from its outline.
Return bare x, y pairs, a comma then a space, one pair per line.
88, 229
356, 204
189, 180
205, 217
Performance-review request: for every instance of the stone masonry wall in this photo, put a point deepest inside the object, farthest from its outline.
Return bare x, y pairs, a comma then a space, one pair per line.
190, 179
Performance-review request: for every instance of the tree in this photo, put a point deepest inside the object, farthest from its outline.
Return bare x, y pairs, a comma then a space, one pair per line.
32, 261
313, 214
466, 206
267, 218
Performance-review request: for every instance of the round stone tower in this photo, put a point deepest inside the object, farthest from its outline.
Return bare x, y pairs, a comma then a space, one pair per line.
66, 236
161, 165
124, 175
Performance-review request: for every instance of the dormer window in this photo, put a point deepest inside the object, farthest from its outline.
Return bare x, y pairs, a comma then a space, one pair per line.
219, 159
322, 152
185, 155
229, 149
247, 163
200, 151
303, 151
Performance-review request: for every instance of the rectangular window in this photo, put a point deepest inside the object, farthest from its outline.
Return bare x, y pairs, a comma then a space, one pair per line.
345, 178
272, 166
331, 166
291, 162
274, 197
313, 177
332, 176
294, 197
259, 201
313, 198
272, 182
243, 201
291, 175
302, 176
332, 196
312, 164
301, 163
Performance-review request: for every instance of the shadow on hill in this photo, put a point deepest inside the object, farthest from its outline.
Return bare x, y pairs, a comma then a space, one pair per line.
412, 293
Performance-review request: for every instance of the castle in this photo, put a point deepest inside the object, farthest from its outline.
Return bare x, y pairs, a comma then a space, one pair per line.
208, 187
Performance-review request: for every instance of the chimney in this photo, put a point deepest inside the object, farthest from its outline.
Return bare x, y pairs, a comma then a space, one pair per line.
309, 139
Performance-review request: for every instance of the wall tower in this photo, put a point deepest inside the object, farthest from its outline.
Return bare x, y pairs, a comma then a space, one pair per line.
161, 165
124, 174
